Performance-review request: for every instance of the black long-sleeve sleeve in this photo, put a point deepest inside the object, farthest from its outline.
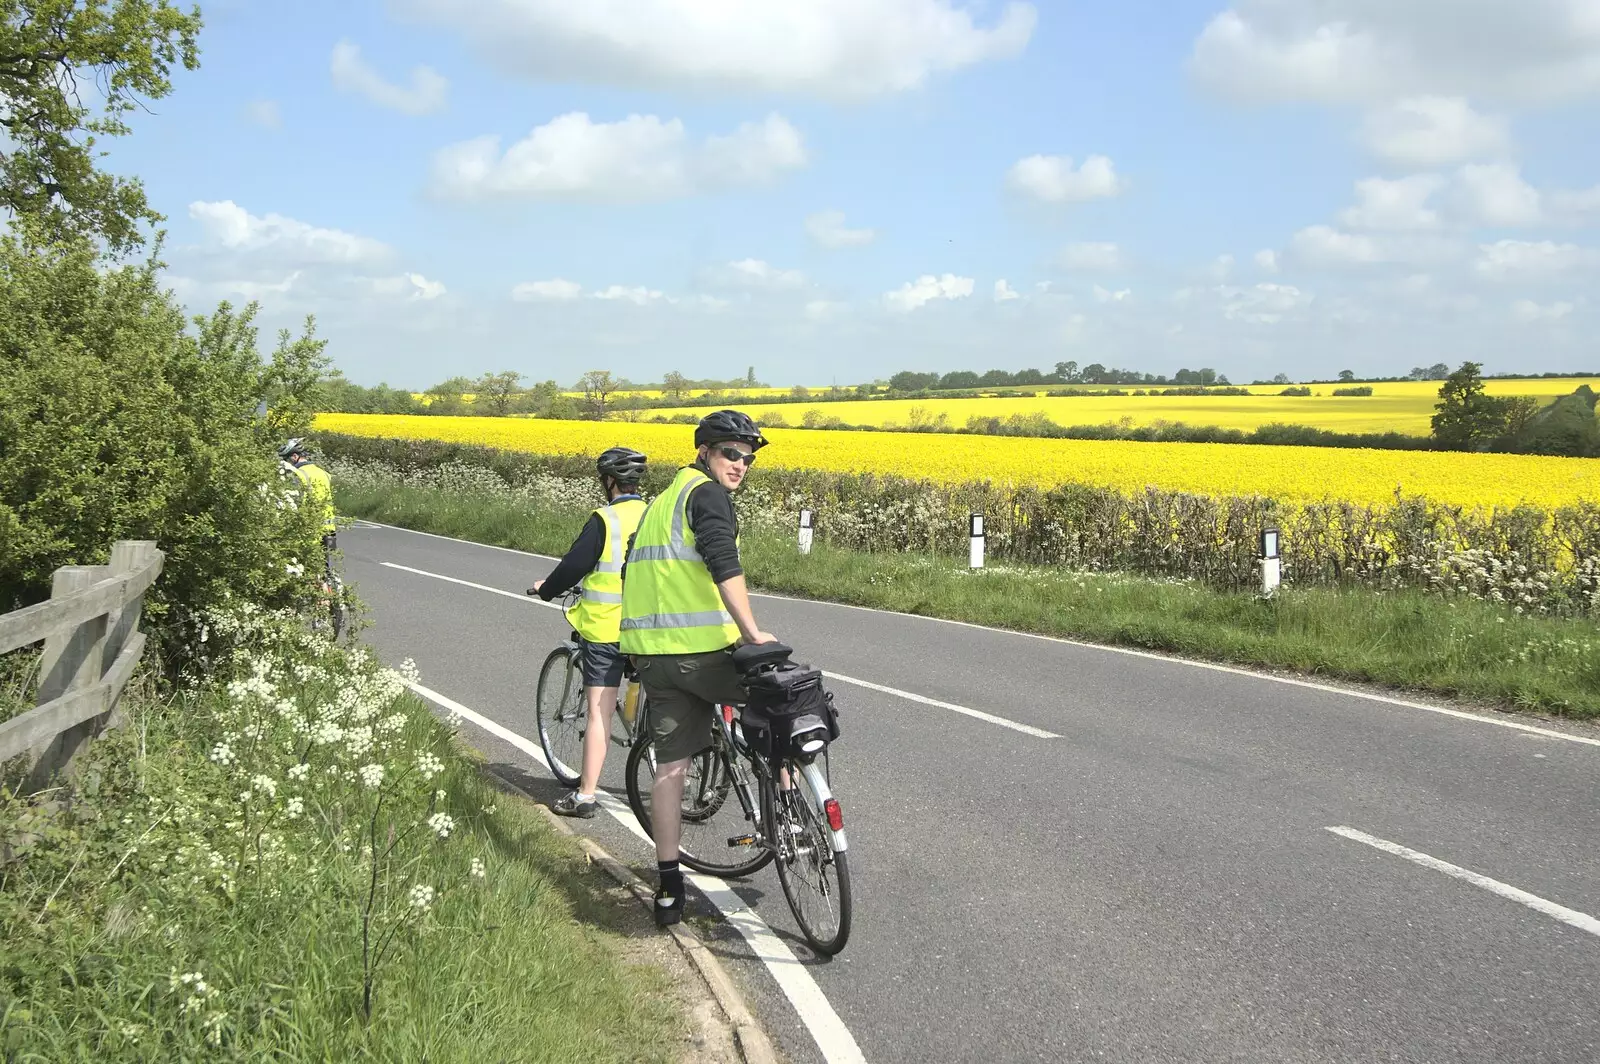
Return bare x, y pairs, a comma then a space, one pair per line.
715, 526
579, 562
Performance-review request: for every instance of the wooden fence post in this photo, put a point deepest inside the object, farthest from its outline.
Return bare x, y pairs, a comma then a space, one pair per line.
127, 555
72, 660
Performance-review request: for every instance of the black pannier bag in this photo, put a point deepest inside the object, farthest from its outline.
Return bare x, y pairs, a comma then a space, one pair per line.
786, 707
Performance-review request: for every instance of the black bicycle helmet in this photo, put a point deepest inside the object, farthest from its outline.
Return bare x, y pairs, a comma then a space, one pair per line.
294, 445
728, 425
622, 464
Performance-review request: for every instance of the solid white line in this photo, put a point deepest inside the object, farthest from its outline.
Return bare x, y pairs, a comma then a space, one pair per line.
833, 1038
1232, 670
1026, 729
531, 599
1571, 917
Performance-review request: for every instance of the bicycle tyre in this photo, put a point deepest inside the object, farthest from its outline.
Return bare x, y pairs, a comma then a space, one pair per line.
555, 691
824, 941
640, 778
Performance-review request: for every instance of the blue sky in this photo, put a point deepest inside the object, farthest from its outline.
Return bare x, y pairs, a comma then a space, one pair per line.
1395, 182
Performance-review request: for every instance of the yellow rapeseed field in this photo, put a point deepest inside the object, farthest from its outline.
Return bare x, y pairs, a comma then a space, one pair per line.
1290, 473
1404, 406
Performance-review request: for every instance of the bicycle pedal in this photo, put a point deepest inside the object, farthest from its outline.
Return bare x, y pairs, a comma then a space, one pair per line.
742, 840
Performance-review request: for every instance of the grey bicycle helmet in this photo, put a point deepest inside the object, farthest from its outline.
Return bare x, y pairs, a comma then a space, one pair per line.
298, 444
622, 464
726, 425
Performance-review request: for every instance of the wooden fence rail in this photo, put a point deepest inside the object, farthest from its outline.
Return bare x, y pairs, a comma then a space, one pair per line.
92, 642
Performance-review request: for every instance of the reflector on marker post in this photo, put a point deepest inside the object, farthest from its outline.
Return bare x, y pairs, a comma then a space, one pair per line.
976, 531
805, 531
1271, 562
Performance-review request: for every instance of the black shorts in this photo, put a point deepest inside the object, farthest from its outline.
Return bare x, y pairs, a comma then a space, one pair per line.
602, 664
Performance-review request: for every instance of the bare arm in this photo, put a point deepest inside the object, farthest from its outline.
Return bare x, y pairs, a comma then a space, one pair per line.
736, 597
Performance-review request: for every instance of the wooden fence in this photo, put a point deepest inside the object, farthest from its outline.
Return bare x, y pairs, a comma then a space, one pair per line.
92, 642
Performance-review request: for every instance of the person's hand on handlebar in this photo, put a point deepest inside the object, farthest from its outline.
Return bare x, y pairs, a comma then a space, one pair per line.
534, 590
760, 638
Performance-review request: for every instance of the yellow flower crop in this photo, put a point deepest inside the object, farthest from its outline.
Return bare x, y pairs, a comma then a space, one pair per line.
1297, 474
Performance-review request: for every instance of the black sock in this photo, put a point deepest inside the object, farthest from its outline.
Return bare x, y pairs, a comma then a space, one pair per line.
671, 878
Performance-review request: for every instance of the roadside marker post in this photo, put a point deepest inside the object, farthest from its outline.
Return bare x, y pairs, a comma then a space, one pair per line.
805, 531
1271, 562
975, 529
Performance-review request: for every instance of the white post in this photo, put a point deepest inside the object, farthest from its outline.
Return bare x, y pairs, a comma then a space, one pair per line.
805, 531
1271, 562
975, 528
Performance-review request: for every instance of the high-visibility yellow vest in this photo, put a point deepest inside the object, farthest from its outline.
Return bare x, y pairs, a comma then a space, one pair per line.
597, 615
319, 488
670, 604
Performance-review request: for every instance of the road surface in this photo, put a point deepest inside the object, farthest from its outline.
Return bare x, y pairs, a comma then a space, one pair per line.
1069, 853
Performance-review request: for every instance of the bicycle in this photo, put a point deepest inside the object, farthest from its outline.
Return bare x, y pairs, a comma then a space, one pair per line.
561, 705
788, 810
331, 589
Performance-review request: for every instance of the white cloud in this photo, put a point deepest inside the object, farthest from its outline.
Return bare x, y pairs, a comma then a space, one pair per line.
640, 296
1222, 267
558, 289
408, 285
423, 96
1267, 260
1494, 194
828, 229
1325, 246
754, 273
1528, 310
1090, 256
826, 48
926, 289
824, 309
1262, 304
1429, 131
1575, 205
264, 113
1367, 50
1104, 295
1394, 205
229, 226
1051, 178
1509, 258
638, 159
1004, 293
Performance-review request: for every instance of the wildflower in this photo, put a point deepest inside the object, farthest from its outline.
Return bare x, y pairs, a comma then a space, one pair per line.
429, 766
372, 776
422, 897
299, 772
222, 754
294, 807
265, 784
477, 868
442, 824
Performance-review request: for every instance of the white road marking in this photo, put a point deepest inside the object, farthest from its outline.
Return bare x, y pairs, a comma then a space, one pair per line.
1571, 917
1026, 729
1233, 670
978, 713
833, 1038
531, 599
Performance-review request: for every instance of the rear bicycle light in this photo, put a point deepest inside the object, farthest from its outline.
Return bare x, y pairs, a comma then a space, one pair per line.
834, 813
727, 714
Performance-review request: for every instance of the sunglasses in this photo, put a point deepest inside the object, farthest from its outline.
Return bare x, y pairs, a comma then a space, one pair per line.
733, 454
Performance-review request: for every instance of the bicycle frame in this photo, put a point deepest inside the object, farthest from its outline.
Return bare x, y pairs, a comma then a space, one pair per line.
741, 753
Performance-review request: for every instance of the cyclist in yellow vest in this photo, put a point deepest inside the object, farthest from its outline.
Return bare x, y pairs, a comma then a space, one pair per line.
594, 562
684, 608
296, 455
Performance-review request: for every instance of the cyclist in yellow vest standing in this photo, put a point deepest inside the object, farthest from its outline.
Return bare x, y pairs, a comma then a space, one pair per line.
317, 484
594, 563
684, 608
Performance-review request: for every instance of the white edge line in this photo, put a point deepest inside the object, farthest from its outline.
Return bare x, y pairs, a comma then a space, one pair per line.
833, 1038
1231, 670
1571, 917
1027, 729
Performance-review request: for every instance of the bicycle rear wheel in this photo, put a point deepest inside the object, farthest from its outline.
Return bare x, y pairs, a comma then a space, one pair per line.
713, 812
562, 713
815, 877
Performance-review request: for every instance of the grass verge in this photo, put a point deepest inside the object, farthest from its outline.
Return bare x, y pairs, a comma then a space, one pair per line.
1455, 647
204, 896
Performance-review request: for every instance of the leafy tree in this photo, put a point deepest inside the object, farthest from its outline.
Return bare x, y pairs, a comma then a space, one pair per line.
750, 377
597, 386
995, 378
1281, 378
293, 379
495, 391
1566, 427
1346, 376
1067, 372
800, 391
1028, 376
961, 378
675, 385
1466, 415
49, 166
912, 382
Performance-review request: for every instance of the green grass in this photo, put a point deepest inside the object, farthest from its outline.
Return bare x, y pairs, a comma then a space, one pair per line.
1410, 641
98, 908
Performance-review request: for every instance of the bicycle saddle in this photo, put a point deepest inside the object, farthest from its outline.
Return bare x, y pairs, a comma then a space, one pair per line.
753, 656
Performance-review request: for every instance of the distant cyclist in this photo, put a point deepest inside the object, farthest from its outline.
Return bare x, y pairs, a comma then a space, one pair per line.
297, 459
594, 561
684, 608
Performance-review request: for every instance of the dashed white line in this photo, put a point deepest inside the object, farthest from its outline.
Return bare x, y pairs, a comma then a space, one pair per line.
979, 714
1309, 685
833, 1038
1570, 917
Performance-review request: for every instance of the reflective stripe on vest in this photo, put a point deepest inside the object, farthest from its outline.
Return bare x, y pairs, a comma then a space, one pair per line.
319, 489
670, 604
598, 612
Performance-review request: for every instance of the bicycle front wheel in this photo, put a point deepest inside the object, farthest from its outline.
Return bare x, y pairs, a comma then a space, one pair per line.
718, 816
815, 876
563, 714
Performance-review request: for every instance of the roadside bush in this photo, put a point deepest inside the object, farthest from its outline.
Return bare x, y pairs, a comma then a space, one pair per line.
1299, 390
1361, 391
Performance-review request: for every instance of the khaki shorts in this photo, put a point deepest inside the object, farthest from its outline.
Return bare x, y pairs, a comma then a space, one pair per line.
683, 690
